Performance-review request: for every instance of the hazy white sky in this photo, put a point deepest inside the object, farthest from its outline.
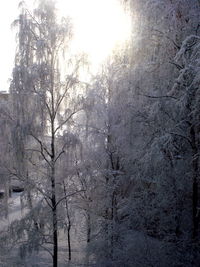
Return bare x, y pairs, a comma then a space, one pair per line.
99, 25
7, 41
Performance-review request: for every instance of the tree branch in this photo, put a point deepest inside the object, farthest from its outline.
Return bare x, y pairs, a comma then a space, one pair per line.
179, 67
41, 145
163, 96
66, 120
182, 136
72, 194
63, 151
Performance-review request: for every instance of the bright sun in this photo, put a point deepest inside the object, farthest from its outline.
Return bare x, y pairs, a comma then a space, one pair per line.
99, 25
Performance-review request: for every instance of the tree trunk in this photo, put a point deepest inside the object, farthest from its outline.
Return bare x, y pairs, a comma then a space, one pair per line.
195, 210
195, 162
28, 189
53, 196
55, 231
88, 227
69, 242
68, 224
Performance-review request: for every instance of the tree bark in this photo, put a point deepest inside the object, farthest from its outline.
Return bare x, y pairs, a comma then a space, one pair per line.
54, 214
53, 192
195, 163
69, 242
68, 224
88, 227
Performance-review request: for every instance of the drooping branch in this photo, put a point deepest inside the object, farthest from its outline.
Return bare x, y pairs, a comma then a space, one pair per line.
179, 67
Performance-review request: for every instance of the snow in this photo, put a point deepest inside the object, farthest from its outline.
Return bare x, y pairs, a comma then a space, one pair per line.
14, 211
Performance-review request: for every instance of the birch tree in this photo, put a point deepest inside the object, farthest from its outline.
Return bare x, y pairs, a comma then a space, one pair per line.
47, 100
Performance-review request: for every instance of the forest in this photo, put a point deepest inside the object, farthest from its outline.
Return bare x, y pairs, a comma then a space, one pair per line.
103, 172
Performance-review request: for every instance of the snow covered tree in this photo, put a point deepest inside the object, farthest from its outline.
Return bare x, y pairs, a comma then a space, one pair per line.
45, 99
186, 90
140, 118
121, 155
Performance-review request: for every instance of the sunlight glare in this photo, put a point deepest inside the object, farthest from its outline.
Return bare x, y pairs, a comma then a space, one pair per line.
99, 26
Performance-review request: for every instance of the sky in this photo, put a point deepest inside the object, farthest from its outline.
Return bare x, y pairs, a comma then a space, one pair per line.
8, 13
98, 24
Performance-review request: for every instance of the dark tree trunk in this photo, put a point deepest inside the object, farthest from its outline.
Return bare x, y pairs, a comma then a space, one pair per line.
195, 210
68, 224
195, 162
69, 242
88, 228
53, 194
55, 230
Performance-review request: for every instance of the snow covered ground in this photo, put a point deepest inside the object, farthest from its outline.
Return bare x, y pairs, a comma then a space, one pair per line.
15, 211
149, 247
